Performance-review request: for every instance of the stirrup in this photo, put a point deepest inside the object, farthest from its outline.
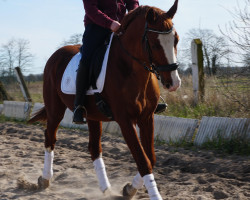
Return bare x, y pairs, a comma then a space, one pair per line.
161, 107
80, 119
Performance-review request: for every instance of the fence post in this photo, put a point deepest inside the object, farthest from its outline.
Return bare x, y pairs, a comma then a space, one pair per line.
22, 84
197, 70
3, 93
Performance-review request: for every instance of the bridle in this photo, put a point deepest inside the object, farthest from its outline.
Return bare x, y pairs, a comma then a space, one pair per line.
152, 66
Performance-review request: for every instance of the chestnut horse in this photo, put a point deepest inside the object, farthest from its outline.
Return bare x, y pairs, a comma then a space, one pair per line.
144, 50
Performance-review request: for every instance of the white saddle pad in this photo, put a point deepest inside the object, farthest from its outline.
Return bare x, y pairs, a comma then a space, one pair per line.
68, 84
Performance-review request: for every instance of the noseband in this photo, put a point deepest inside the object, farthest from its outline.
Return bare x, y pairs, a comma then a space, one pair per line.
153, 67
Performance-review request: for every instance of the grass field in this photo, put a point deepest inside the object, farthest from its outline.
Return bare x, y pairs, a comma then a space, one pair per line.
224, 97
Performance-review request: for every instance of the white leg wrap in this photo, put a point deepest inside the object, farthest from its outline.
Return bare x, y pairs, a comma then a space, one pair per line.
151, 186
101, 174
48, 165
137, 181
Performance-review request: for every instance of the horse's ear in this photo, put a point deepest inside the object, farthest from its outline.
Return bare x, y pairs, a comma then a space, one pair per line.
151, 15
172, 10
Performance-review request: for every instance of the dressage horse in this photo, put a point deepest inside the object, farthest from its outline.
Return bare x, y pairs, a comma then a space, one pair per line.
145, 49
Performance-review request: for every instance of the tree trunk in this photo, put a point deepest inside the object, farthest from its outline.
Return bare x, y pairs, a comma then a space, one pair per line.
214, 67
208, 62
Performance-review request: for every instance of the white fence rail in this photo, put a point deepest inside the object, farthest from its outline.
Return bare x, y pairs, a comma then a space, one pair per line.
222, 127
18, 110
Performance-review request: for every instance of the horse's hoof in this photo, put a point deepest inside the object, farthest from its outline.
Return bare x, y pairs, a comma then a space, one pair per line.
129, 191
43, 183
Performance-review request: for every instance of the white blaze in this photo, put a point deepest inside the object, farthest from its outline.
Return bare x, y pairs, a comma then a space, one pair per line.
167, 43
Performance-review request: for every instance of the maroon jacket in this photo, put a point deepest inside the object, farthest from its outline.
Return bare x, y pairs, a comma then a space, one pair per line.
104, 12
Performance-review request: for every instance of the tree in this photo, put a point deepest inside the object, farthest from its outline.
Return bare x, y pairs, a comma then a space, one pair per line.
215, 48
7, 58
12, 54
238, 33
24, 57
73, 40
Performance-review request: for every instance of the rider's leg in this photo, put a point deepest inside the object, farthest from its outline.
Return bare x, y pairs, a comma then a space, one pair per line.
93, 37
81, 87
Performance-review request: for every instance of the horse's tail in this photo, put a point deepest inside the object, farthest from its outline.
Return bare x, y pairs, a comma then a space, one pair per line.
40, 115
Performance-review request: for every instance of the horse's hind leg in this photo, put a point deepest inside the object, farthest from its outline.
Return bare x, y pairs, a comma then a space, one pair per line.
55, 113
95, 148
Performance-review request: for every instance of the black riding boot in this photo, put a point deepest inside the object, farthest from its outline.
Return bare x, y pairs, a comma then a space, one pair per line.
82, 85
161, 107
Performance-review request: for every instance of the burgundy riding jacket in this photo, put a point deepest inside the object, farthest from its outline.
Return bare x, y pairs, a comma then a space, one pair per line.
104, 12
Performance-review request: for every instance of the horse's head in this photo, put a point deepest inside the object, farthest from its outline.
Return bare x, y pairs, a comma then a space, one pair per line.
156, 48
161, 38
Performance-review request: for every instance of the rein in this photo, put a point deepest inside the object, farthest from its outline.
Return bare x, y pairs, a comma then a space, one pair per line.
152, 67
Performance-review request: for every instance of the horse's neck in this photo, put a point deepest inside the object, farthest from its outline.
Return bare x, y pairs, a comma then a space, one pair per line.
120, 61
125, 68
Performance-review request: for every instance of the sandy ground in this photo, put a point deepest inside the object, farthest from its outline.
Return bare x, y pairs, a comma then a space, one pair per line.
180, 173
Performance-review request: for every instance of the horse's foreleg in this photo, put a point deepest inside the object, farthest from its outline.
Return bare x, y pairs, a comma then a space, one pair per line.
147, 137
144, 157
95, 148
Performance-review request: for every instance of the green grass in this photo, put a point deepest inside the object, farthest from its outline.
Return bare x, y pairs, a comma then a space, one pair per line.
234, 145
197, 112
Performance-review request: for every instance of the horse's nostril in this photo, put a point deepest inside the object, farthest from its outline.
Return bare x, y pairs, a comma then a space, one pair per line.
168, 85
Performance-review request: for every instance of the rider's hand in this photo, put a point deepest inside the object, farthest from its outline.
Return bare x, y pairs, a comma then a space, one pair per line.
115, 26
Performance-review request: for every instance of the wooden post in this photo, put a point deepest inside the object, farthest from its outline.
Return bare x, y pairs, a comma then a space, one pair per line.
3, 93
22, 84
197, 70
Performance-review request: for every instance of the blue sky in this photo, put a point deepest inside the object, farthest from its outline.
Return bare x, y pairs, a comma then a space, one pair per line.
46, 23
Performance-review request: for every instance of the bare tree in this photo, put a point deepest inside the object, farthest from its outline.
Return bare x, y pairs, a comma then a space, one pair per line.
15, 53
73, 40
215, 48
24, 57
7, 58
238, 33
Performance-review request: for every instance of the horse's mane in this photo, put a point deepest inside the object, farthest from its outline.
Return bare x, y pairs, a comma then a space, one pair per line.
141, 10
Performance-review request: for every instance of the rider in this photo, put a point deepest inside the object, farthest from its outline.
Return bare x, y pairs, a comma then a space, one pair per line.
101, 17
